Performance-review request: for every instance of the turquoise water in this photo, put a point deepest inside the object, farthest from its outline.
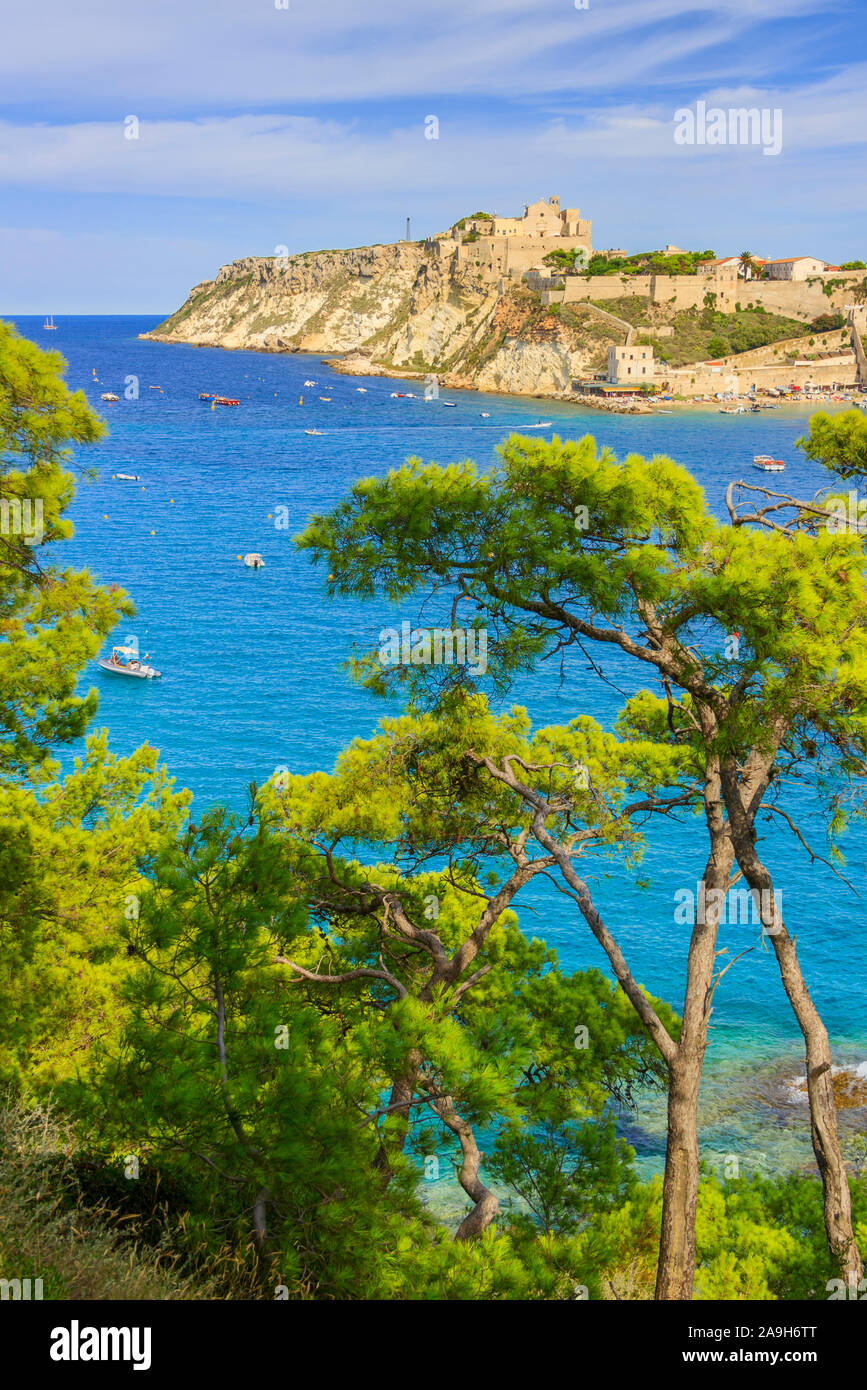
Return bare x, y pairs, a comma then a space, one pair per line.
252, 661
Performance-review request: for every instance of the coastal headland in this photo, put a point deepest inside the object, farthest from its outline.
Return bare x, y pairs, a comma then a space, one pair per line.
525, 306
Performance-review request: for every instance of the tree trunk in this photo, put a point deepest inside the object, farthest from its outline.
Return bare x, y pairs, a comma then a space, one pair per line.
823, 1107
486, 1204
402, 1092
823, 1110
676, 1269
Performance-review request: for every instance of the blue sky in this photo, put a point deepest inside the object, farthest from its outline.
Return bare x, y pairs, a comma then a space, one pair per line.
304, 127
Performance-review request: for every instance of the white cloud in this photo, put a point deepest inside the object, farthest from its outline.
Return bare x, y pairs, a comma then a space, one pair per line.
277, 156
219, 55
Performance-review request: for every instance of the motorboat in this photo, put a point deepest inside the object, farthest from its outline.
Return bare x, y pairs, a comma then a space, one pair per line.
485, 414
540, 425
768, 464
362, 390
109, 396
254, 561
206, 396
311, 383
312, 431
450, 404
127, 477
124, 661
224, 400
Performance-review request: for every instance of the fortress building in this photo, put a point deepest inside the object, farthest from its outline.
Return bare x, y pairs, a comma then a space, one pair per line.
501, 246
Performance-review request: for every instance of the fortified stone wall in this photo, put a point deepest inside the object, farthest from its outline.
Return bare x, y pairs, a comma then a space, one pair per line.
793, 298
578, 289
702, 380
688, 291
857, 317
774, 354
676, 291
697, 381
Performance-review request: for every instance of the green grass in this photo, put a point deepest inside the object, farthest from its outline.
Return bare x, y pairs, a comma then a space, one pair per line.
702, 333
73, 1221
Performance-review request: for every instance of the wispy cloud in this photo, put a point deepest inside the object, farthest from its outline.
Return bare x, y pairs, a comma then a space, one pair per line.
217, 55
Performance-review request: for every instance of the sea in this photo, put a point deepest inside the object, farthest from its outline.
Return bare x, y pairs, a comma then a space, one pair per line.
253, 666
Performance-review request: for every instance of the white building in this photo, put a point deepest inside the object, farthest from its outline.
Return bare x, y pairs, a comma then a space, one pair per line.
630, 364
793, 268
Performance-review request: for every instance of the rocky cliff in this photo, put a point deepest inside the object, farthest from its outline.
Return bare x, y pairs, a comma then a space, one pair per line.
398, 309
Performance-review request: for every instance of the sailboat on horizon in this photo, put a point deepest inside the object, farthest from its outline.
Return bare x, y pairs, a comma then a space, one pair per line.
49, 323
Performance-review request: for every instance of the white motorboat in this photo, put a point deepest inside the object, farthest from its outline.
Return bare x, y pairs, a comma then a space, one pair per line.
768, 464
109, 396
311, 383
312, 431
540, 425
127, 477
485, 414
254, 561
124, 661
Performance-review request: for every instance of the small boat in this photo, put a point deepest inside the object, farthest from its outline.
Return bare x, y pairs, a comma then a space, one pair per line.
396, 395
49, 325
485, 414
124, 661
109, 396
225, 400
362, 390
155, 388
325, 398
450, 404
312, 431
768, 464
311, 383
205, 396
410, 395
127, 477
540, 425
254, 561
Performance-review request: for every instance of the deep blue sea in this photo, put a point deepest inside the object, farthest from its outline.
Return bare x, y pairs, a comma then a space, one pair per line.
252, 660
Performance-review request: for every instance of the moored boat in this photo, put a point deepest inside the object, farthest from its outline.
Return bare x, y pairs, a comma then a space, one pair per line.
768, 464
254, 561
109, 396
